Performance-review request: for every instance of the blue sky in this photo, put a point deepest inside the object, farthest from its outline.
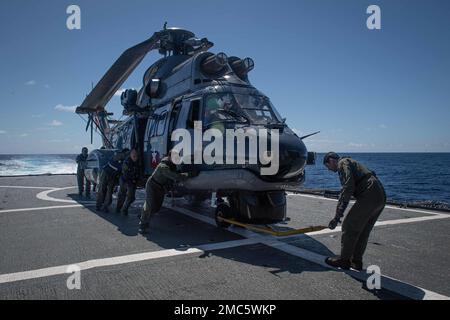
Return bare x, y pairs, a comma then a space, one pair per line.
366, 90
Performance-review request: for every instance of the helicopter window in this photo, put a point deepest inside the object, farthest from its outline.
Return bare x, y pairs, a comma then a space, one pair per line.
161, 124
152, 126
258, 108
174, 116
219, 108
239, 107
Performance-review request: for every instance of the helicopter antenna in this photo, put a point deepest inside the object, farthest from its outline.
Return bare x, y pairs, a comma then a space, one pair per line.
309, 135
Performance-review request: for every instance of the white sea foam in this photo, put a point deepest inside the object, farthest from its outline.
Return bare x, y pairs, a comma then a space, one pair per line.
14, 165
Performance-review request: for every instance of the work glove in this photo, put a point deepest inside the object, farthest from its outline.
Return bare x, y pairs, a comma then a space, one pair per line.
337, 218
333, 223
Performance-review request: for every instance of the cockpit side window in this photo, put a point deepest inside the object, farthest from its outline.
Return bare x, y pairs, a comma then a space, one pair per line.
220, 107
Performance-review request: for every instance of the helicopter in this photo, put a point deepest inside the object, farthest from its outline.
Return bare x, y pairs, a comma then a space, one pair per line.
192, 89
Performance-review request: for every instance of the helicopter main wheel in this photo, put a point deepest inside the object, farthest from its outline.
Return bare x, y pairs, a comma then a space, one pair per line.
223, 210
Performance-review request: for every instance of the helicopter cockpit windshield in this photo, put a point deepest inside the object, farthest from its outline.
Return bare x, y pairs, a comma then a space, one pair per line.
244, 108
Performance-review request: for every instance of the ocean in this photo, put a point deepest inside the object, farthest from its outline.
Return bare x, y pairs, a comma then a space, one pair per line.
14, 165
407, 177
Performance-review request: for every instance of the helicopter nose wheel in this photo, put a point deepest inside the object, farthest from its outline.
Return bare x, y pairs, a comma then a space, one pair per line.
223, 210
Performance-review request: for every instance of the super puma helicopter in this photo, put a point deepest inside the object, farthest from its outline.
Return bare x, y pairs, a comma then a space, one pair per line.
190, 84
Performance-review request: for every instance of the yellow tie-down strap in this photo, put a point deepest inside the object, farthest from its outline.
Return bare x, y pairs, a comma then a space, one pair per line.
272, 231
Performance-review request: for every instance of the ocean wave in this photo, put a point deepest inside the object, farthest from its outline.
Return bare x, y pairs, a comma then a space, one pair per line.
35, 165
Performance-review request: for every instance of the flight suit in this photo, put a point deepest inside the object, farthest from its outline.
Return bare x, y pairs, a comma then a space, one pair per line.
155, 188
82, 162
370, 196
128, 185
108, 180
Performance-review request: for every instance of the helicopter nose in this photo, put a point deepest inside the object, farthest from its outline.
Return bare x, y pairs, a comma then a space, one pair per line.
293, 156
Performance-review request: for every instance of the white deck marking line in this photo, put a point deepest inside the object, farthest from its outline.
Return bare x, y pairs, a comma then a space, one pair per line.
393, 285
26, 187
388, 283
44, 195
105, 262
42, 208
377, 224
388, 206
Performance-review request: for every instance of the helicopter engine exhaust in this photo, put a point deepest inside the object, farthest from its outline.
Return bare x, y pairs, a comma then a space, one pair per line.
214, 63
241, 67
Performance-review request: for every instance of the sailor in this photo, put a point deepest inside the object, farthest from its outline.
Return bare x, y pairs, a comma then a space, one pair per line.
164, 176
109, 178
82, 164
360, 182
128, 183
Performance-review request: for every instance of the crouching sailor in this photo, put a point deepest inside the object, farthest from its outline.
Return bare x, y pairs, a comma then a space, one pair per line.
370, 196
157, 185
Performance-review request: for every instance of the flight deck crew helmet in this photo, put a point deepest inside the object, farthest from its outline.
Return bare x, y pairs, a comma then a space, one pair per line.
84, 150
330, 155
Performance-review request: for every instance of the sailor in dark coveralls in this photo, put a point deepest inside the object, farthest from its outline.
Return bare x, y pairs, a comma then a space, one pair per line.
357, 181
109, 178
128, 183
82, 163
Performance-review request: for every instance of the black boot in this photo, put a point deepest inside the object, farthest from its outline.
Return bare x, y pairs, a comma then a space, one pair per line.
143, 228
337, 262
357, 265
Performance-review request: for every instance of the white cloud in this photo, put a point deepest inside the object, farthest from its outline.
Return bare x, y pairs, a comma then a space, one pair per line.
56, 123
356, 145
63, 108
2, 131
383, 126
30, 83
36, 116
57, 140
46, 86
24, 135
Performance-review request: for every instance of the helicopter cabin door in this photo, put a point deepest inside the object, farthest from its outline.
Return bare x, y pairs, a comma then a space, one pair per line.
173, 120
155, 140
190, 112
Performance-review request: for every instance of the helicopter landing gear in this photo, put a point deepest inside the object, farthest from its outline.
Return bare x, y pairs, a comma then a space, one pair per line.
223, 210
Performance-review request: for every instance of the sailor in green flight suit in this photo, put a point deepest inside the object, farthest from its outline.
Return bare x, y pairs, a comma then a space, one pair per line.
357, 181
157, 185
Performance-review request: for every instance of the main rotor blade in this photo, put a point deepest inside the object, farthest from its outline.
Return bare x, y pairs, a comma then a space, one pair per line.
116, 75
88, 122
